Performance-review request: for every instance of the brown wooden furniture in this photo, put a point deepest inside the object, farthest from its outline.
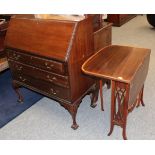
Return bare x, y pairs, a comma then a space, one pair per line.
96, 22
127, 68
119, 19
3, 29
5, 16
3, 61
46, 54
103, 36
3, 64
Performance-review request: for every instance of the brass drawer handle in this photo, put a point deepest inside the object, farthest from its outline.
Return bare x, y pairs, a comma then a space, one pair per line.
19, 68
54, 78
51, 79
53, 91
16, 56
48, 66
22, 79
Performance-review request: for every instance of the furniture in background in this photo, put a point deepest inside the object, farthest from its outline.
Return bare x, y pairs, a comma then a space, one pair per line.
3, 29
3, 59
151, 19
119, 19
127, 68
3, 64
46, 54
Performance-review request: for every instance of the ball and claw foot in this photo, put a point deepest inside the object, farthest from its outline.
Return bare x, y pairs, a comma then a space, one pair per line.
93, 105
93, 101
74, 126
21, 101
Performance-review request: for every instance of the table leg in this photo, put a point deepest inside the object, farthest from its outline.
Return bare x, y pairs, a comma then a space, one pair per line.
119, 106
94, 94
16, 88
101, 95
140, 98
108, 83
113, 107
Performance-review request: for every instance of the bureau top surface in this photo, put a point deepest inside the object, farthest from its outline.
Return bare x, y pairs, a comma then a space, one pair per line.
116, 62
67, 17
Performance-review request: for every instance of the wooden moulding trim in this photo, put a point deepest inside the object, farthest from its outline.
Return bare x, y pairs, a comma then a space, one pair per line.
71, 42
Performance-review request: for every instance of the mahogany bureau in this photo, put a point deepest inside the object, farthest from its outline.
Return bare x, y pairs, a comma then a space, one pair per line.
46, 55
3, 60
3, 29
127, 68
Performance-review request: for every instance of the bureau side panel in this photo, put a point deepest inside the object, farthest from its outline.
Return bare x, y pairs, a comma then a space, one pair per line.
82, 49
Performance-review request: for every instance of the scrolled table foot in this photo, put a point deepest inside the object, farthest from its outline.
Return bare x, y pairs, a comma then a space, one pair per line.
111, 130
124, 134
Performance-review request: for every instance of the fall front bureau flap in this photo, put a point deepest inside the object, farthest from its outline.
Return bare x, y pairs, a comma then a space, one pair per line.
45, 37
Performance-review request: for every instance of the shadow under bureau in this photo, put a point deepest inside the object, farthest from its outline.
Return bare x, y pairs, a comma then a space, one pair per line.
46, 55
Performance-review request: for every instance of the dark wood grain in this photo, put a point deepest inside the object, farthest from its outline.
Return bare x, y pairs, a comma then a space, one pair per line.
116, 62
127, 68
46, 55
103, 36
42, 37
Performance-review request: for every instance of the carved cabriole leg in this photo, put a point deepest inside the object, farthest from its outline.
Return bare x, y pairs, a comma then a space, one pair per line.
73, 113
94, 94
72, 109
16, 88
119, 97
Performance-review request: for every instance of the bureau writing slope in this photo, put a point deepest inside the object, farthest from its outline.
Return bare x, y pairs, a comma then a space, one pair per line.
46, 55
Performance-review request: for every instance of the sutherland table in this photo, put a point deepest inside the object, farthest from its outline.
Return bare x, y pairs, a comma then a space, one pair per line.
127, 68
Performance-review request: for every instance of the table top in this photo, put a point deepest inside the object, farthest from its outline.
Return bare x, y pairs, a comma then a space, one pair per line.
119, 63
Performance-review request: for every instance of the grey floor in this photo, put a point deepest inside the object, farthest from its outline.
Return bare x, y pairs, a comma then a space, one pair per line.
48, 120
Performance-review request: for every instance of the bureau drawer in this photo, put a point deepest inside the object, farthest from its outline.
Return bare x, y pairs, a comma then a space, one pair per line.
43, 87
49, 65
39, 74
